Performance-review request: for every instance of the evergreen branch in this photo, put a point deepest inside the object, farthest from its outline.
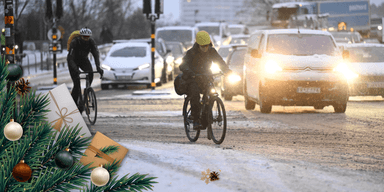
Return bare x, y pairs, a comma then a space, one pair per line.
112, 167
108, 150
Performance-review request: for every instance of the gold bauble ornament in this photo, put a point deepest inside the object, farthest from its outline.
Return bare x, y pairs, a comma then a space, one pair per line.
100, 176
13, 131
22, 172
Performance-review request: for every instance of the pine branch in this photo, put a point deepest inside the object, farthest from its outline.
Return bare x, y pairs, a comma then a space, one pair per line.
32, 108
108, 150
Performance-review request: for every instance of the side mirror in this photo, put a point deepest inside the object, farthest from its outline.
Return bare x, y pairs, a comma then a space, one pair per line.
168, 51
255, 53
345, 54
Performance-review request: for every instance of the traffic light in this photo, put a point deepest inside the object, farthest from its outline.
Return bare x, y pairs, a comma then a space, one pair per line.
159, 6
147, 9
54, 35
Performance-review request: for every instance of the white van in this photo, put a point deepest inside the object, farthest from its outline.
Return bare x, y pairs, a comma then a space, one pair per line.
184, 34
289, 67
219, 31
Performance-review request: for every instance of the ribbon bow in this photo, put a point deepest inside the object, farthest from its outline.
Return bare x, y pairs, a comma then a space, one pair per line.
63, 116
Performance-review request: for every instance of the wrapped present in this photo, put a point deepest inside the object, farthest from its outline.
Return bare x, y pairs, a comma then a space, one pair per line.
103, 150
64, 112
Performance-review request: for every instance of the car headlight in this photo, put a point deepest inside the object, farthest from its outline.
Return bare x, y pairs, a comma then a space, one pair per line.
106, 67
233, 78
379, 27
272, 67
215, 68
179, 61
343, 68
170, 59
143, 66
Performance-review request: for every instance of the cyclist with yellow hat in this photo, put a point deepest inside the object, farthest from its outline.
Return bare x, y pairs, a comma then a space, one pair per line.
198, 60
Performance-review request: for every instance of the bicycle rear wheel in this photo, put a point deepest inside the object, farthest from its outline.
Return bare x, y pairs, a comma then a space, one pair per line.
192, 135
218, 120
91, 105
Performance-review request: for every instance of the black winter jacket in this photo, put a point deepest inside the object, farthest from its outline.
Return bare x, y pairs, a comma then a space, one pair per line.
79, 50
200, 62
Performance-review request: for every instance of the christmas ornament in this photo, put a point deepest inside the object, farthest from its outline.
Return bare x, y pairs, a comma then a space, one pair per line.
209, 175
22, 172
13, 131
22, 87
100, 176
15, 72
64, 159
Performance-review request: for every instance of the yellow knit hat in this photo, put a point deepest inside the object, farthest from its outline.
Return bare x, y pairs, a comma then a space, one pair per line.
203, 38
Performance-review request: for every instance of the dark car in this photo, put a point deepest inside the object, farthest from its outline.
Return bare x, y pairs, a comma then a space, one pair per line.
232, 84
178, 51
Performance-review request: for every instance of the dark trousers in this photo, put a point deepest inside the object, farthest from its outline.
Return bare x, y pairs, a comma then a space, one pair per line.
195, 88
84, 65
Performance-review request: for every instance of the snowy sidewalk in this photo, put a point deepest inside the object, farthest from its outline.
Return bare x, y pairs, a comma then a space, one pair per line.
179, 167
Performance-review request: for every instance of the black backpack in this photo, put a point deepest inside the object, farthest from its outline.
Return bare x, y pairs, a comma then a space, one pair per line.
180, 85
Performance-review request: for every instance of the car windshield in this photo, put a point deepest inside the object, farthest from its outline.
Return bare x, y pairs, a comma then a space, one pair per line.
176, 49
235, 31
237, 58
243, 40
212, 30
366, 54
342, 35
183, 36
130, 52
224, 51
301, 44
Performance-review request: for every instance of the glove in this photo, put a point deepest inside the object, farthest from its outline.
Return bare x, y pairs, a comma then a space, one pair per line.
77, 73
101, 72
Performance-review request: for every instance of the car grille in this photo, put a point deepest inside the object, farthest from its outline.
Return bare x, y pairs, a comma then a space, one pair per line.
308, 69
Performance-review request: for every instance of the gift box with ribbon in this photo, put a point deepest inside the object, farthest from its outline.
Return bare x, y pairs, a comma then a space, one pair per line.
64, 112
103, 150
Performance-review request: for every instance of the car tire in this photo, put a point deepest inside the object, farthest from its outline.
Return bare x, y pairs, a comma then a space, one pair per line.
104, 86
265, 107
228, 97
249, 105
164, 76
340, 108
171, 76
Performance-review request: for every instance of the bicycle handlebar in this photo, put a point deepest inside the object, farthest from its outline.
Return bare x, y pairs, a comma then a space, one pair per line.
207, 74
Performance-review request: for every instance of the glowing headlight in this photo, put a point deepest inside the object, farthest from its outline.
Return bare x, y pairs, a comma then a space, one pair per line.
379, 27
16, 46
213, 90
106, 67
179, 61
233, 78
272, 67
215, 68
169, 68
170, 59
343, 68
141, 67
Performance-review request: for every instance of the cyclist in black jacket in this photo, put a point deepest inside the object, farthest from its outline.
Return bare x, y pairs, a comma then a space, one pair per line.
198, 60
77, 57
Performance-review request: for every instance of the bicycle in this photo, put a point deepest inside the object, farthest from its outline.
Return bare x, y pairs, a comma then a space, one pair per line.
212, 114
89, 96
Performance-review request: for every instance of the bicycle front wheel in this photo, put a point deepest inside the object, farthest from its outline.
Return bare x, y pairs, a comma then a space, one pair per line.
192, 135
91, 105
218, 120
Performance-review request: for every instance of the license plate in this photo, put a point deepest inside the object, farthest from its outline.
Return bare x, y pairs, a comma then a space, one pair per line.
375, 84
124, 77
308, 90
